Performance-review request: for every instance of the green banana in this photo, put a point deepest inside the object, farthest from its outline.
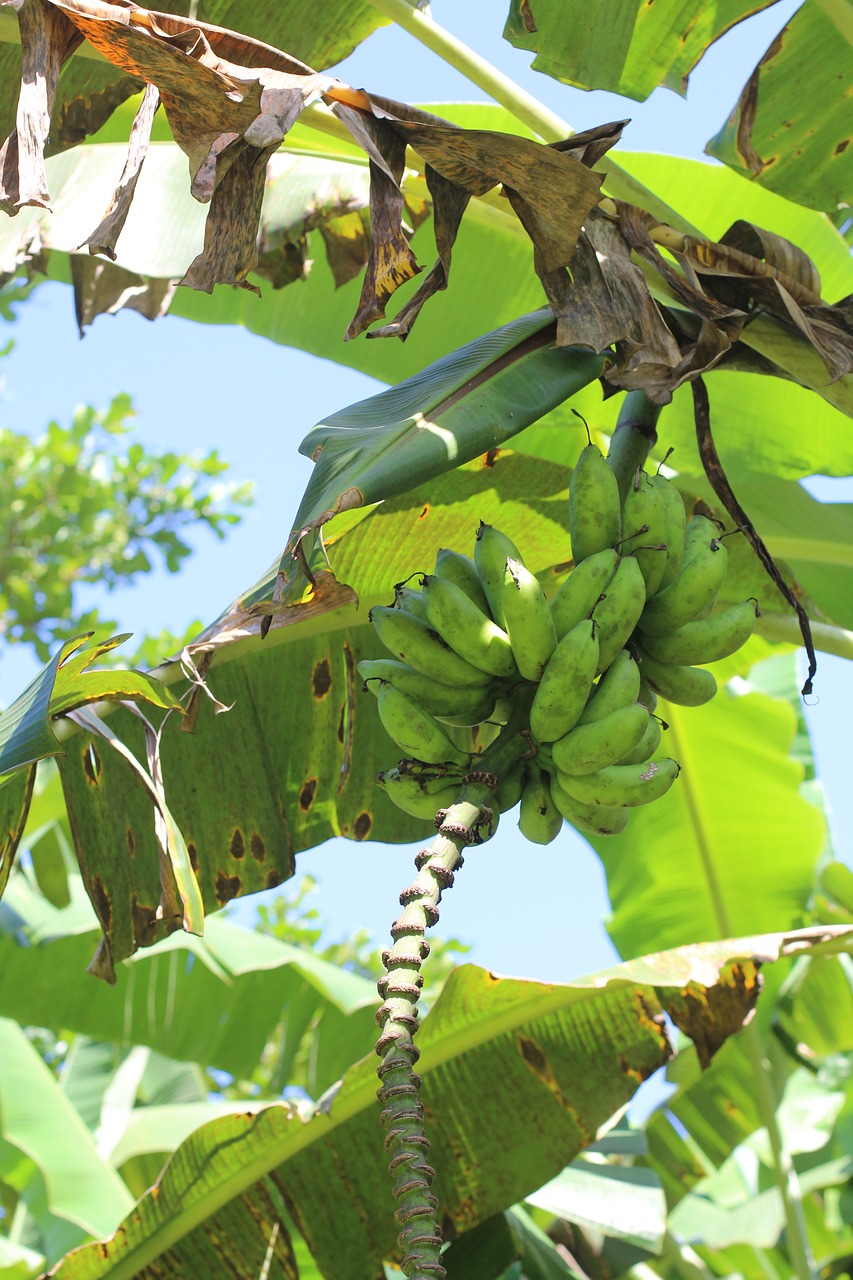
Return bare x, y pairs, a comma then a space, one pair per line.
421, 794
589, 819
618, 613
617, 688
416, 643
590, 747
696, 588
648, 744
411, 601
468, 631
699, 531
625, 785
595, 517
527, 619
491, 552
510, 787
685, 685
564, 688
539, 820
647, 696
644, 510
675, 519
471, 705
707, 639
415, 730
462, 572
580, 593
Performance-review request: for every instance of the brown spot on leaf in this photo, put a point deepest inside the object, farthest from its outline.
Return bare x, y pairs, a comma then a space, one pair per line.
306, 795
144, 919
424, 512
842, 146
91, 764
102, 903
342, 723
527, 17
193, 855
238, 844
256, 845
362, 825
131, 842
273, 879
321, 679
490, 457
227, 887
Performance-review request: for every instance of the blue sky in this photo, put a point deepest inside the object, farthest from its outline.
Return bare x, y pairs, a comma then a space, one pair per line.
198, 387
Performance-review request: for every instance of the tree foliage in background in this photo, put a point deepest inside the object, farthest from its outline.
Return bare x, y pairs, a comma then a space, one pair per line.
679, 268
81, 505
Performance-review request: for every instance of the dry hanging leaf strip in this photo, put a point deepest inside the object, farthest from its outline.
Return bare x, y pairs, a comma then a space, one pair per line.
719, 482
47, 41
635, 224
103, 238
449, 204
103, 289
391, 261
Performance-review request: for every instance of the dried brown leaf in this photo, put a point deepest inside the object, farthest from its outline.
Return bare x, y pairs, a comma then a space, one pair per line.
47, 40
103, 238
100, 288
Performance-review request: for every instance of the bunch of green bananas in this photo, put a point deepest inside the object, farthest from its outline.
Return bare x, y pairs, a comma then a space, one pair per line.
634, 618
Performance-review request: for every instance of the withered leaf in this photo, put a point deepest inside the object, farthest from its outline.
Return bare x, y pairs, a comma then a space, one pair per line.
47, 40
103, 238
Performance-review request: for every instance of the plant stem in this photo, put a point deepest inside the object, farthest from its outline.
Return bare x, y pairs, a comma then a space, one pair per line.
468, 821
783, 626
523, 105
634, 436
529, 110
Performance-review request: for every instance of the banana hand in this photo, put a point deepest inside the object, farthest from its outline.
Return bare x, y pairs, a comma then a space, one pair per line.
686, 686
618, 613
564, 688
648, 744
707, 639
595, 515
617, 688
491, 552
416, 732
580, 593
644, 511
588, 819
694, 590
420, 646
467, 630
472, 705
539, 820
590, 747
626, 785
420, 794
527, 619
675, 523
462, 572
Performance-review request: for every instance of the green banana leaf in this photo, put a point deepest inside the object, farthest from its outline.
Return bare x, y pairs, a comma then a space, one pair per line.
790, 128
630, 49
465, 405
235, 1171
506, 1247
38, 1121
25, 732
729, 847
217, 1000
